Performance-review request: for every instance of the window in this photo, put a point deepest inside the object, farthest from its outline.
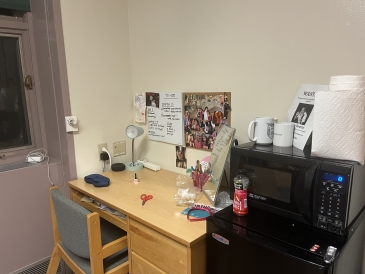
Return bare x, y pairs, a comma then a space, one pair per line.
14, 123
19, 109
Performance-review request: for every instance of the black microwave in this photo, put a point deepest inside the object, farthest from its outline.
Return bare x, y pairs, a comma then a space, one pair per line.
323, 193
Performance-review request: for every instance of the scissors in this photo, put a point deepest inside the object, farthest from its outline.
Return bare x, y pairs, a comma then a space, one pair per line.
145, 198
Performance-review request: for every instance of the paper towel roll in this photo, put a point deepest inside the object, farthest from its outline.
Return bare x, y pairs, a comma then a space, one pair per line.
346, 82
346, 79
339, 125
346, 86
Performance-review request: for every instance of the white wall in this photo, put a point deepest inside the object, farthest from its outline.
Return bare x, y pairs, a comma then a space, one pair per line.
260, 51
98, 64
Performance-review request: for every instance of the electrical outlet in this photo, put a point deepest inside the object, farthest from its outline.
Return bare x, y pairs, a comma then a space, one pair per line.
100, 146
71, 123
119, 148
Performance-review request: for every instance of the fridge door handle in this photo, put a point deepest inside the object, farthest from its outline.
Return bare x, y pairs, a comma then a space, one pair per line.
220, 238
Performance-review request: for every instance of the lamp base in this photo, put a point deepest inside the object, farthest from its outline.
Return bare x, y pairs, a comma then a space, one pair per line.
133, 166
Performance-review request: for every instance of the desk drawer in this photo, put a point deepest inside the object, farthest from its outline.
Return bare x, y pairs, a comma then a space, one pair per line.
164, 252
141, 266
76, 196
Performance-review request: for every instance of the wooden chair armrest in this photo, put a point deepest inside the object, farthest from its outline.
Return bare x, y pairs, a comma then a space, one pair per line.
115, 246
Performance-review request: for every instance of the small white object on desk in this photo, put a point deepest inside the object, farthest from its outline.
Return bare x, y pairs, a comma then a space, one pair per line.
150, 165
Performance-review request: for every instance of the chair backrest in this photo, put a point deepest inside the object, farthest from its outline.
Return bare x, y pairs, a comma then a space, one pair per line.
71, 223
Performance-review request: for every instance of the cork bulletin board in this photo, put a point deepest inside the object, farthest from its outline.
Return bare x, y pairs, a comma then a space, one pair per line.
204, 113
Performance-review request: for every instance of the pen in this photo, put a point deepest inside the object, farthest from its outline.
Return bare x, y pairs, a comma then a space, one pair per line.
197, 165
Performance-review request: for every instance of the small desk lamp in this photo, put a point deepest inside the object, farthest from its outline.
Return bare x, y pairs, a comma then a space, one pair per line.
133, 132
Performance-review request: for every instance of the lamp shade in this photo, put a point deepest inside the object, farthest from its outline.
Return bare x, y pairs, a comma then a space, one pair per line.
133, 131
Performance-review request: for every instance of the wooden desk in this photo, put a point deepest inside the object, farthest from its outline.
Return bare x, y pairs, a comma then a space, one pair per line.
161, 239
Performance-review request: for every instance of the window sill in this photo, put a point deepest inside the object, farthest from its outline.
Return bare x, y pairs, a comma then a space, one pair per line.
23, 165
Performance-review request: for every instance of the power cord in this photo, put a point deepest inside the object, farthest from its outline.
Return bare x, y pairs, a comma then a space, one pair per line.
104, 156
37, 156
110, 158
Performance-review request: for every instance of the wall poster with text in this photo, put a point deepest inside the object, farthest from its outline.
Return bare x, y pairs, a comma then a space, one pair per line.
204, 113
164, 117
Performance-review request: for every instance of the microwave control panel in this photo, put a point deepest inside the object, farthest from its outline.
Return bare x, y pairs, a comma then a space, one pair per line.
331, 202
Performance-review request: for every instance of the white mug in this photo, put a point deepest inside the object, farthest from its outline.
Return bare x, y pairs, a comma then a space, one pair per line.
283, 134
263, 130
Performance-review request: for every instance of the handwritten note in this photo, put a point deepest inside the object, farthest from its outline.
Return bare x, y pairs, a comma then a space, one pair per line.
223, 139
165, 117
221, 151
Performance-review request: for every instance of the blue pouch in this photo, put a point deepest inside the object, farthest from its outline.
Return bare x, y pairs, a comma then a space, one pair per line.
97, 180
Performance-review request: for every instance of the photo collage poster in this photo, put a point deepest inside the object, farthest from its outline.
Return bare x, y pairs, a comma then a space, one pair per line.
204, 113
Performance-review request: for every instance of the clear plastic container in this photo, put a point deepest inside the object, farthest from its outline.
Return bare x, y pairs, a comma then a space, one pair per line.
186, 193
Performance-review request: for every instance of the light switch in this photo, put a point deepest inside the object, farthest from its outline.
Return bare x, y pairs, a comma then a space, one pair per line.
118, 148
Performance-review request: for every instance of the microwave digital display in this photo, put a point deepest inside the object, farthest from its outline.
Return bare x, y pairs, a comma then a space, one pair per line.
334, 178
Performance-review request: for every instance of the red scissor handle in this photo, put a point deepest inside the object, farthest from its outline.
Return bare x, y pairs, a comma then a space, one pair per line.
145, 198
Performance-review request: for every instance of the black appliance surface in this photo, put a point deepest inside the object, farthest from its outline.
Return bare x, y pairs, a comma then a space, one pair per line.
291, 151
264, 243
324, 193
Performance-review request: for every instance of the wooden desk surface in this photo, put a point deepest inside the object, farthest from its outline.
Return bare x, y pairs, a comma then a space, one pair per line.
161, 213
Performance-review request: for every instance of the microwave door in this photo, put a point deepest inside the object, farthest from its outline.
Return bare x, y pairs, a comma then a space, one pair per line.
303, 192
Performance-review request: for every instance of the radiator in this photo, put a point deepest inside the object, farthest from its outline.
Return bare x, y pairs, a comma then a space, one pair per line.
40, 268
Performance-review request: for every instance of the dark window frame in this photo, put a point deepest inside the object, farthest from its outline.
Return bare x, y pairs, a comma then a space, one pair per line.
20, 26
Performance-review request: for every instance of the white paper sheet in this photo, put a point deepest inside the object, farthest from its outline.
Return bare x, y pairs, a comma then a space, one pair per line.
165, 117
139, 108
300, 113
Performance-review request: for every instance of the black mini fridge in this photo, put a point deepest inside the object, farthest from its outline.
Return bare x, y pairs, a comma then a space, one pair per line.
263, 243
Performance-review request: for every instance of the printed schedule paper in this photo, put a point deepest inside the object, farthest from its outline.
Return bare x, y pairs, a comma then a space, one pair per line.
165, 117
301, 113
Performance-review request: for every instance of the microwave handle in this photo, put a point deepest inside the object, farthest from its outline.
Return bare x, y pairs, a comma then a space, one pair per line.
304, 194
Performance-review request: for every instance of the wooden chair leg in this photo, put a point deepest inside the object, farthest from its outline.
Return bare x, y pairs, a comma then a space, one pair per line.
54, 262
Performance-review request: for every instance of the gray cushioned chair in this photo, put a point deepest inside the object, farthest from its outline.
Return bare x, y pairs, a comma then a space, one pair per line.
86, 242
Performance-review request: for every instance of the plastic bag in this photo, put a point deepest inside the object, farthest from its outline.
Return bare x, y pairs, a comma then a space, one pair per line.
222, 200
186, 193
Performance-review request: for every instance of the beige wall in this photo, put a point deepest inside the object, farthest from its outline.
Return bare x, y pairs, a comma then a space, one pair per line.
260, 51
98, 64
